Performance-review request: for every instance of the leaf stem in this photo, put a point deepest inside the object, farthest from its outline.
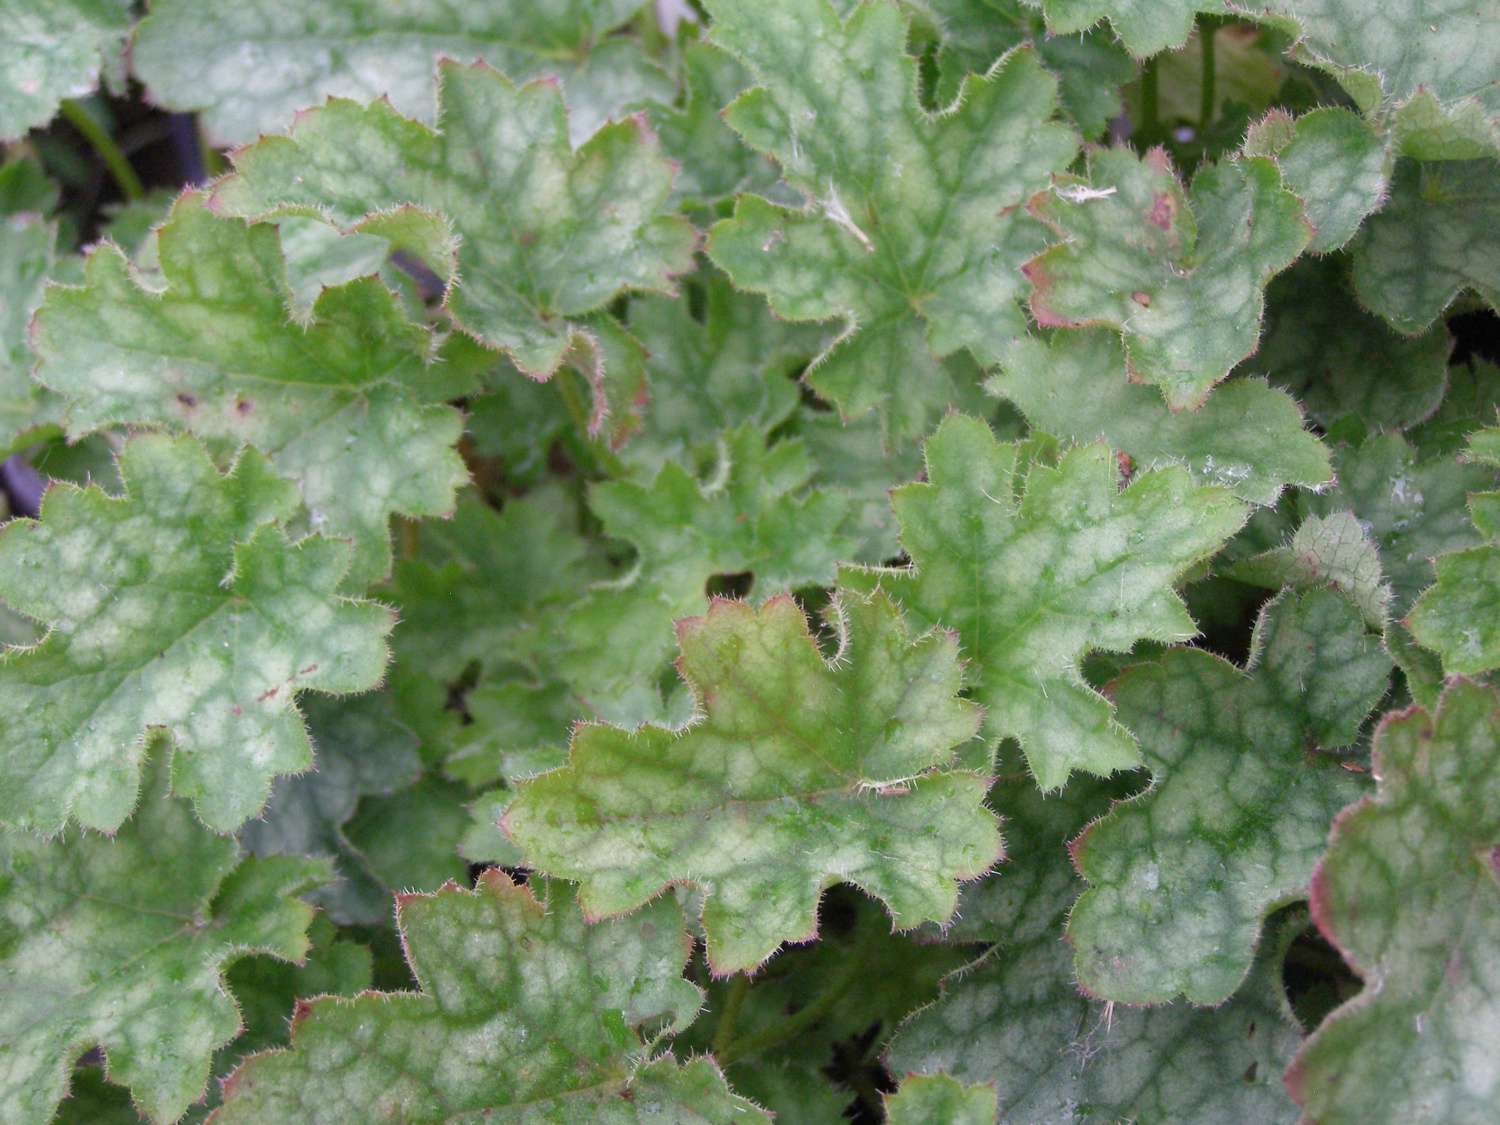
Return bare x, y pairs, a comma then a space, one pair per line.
800, 1020
104, 147
739, 988
1150, 97
1208, 30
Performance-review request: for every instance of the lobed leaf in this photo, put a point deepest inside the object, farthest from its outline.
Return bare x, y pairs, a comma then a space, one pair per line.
524, 1012
179, 607
347, 402
1408, 892
1332, 552
532, 237
1246, 437
796, 774
55, 49
1180, 274
248, 66
1241, 799
912, 230
1033, 579
939, 1100
1017, 1018
123, 943
1146, 27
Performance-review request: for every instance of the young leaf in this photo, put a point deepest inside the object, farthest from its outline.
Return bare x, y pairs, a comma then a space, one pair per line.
347, 402
531, 236
1435, 237
1017, 1019
913, 230
751, 517
1338, 359
524, 1012
178, 607
1238, 812
1408, 893
797, 774
122, 942
1033, 582
1246, 437
1180, 274
1332, 552
54, 49
248, 66
939, 1100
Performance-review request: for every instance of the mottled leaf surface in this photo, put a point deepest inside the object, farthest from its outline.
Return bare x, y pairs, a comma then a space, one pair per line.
179, 607
1409, 893
1339, 359
1034, 579
753, 517
939, 1100
1180, 273
347, 402
122, 942
1332, 552
912, 230
796, 774
525, 1012
55, 49
1435, 237
1241, 799
1018, 1020
248, 66
27, 255
1246, 437
545, 235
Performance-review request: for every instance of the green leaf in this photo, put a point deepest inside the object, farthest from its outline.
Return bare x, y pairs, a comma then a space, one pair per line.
1435, 237
483, 842
346, 402
1339, 359
753, 516
411, 838
939, 1100
55, 49
1246, 437
179, 608
855, 458
912, 230
491, 586
1090, 68
531, 236
27, 257
1180, 274
1146, 27
731, 369
544, 1008
1238, 812
713, 163
1408, 892
1333, 553
123, 942
1414, 507
248, 66
1334, 161
1426, 66
796, 774
1471, 402
360, 749
1017, 1019
1033, 580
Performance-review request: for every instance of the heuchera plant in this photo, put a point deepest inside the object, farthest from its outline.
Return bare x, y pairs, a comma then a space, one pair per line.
585, 561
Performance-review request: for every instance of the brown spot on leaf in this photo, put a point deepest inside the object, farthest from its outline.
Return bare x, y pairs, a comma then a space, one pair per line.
1142, 299
269, 693
1163, 211
1251, 1071
186, 400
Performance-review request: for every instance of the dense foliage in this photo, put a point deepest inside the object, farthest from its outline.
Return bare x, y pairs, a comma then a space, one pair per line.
927, 561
